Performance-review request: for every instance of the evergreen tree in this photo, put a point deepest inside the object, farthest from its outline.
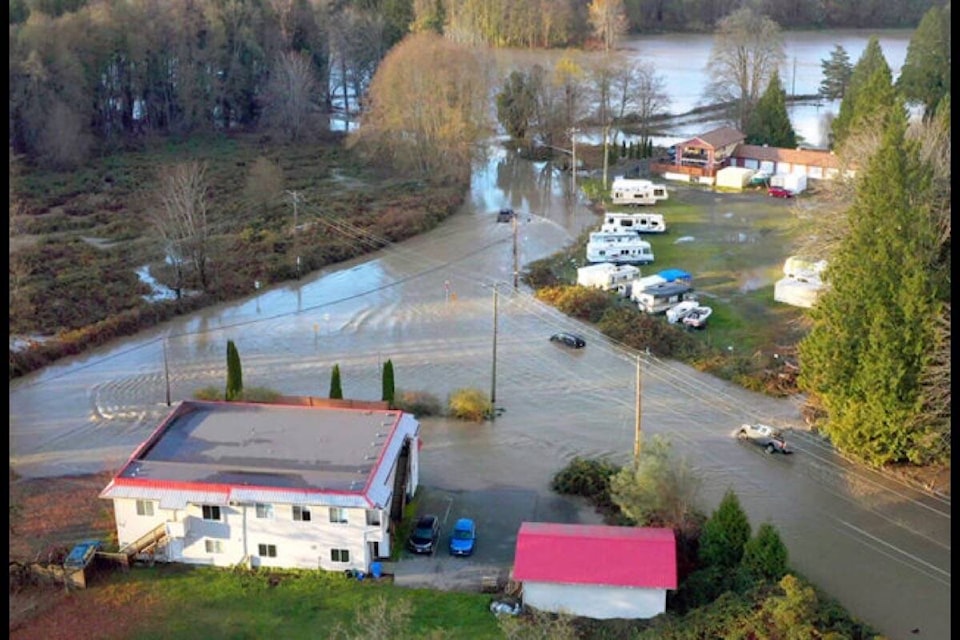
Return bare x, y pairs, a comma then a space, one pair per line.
387, 383
769, 122
869, 63
836, 74
925, 77
873, 327
517, 103
234, 373
765, 555
336, 391
725, 534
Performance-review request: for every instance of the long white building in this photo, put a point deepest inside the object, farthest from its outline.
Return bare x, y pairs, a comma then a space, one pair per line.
268, 485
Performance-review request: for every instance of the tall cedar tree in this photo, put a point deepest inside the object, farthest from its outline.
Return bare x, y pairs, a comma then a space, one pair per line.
873, 328
387, 381
234, 373
870, 61
336, 390
836, 74
925, 78
770, 123
765, 555
725, 534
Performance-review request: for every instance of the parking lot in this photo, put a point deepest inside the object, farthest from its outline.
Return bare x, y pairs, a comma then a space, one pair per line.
498, 513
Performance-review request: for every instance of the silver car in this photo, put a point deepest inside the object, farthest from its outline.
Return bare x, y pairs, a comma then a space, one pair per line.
763, 435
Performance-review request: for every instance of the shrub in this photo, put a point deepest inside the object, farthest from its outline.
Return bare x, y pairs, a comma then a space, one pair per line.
470, 404
584, 303
208, 393
765, 555
588, 478
725, 534
419, 403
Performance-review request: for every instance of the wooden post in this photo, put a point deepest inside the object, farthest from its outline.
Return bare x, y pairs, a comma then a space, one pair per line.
636, 430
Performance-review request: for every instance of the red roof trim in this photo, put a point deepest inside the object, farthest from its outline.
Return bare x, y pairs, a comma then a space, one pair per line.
383, 451
210, 487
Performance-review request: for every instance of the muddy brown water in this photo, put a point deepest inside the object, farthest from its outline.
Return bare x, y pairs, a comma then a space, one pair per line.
879, 546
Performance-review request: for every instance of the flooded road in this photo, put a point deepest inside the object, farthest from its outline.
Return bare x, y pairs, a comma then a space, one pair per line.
880, 547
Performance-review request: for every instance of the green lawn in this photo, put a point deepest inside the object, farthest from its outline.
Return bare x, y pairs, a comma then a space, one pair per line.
206, 603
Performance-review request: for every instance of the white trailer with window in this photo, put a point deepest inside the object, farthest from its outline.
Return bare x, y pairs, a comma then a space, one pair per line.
636, 191
608, 276
637, 222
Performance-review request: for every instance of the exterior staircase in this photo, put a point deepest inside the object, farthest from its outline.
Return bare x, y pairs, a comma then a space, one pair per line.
147, 543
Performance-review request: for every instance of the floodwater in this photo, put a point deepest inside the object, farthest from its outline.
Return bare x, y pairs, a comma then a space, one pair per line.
881, 547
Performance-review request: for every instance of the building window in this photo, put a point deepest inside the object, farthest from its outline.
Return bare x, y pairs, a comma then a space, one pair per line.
338, 515
267, 550
301, 514
340, 555
211, 512
265, 511
373, 517
213, 546
144, 507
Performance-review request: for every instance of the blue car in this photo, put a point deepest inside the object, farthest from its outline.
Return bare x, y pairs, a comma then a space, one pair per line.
463, 540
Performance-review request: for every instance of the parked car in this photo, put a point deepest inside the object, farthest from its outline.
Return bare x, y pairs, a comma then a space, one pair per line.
426, 532
765, 436
463, 539
572, 340
505, 215
779, 192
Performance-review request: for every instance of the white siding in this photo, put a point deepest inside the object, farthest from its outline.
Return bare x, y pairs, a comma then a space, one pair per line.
595, 601
299, 544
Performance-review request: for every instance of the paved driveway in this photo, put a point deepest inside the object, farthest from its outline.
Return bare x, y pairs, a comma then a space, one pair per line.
498, 511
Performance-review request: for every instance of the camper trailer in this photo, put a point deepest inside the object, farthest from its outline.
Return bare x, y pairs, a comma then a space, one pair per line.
660, 297
636, 222
623, 247
634, 191
609, 277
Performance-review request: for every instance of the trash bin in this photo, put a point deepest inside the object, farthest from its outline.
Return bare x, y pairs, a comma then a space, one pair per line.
360, 575
376, 569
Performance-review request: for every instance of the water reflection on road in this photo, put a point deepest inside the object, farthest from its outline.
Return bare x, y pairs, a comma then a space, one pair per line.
427, 304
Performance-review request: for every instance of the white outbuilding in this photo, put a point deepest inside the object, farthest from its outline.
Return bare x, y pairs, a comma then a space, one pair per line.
734, 177
596, 571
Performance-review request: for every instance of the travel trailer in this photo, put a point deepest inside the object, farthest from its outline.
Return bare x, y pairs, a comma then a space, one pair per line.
660, 297
634, 191
637, 222
608, 276
622, 247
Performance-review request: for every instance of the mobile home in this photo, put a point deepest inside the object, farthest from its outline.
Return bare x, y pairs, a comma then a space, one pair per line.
637, 222
660, 297
624, 247
634, 191
609, 277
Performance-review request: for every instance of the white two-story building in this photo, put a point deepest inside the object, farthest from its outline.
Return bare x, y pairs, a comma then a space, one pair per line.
268, 485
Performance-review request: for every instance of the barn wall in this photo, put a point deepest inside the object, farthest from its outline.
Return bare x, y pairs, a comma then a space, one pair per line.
593, 601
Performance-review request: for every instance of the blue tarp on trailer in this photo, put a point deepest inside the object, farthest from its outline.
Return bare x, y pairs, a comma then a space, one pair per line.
81, 554
671, 275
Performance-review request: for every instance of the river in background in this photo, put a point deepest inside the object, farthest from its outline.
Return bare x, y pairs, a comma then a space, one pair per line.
682, 59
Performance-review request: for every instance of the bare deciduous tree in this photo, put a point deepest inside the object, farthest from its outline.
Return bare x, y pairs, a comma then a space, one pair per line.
181, 219
609, 21
649, 96
65, 142
292, 95
748, 46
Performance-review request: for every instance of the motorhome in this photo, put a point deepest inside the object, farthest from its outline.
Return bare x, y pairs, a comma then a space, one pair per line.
636, 222
608, 276
622, 247
635, 191
660, 297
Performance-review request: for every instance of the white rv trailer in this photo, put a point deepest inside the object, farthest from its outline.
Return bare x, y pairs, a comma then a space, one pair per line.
608, 276
620, 247
635, 191
660, 297
637, 222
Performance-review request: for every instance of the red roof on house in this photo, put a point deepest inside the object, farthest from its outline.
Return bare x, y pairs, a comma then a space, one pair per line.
596, 554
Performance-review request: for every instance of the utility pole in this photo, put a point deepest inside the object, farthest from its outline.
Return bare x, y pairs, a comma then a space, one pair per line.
605, 156
296, 199
516, 254
166, 370
573, 172
493, 378
636, 430
793, 88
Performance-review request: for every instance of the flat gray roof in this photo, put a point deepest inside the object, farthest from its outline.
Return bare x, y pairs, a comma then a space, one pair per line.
282, 446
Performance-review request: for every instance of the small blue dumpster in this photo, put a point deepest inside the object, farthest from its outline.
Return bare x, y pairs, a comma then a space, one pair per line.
376, 569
